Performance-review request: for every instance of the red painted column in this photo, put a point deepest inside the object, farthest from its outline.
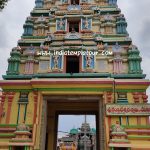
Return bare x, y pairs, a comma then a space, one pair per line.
35, 106
2, 100
10, 99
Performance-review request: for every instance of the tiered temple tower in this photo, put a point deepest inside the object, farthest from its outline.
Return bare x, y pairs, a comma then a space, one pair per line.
74, 57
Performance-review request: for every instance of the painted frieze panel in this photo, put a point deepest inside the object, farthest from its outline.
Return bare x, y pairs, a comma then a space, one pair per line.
88, 62
56, 62
128, 109
86, 23
61, 24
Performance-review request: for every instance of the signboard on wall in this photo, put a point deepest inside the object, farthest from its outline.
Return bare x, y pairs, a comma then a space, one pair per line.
128, 109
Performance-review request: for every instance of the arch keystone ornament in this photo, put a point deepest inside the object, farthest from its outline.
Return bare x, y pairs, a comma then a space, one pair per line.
75, 57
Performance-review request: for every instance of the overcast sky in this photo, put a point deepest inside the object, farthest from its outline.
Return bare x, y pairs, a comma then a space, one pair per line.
137, 13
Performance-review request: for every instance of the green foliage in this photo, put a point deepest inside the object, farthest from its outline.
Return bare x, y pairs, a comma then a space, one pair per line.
3, 3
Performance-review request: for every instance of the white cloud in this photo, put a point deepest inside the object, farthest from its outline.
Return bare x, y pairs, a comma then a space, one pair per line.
12, 19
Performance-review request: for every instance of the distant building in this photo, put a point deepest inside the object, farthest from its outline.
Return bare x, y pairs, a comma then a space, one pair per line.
79, 139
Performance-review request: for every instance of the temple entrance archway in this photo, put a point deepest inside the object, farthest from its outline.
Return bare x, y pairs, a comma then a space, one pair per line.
53, 106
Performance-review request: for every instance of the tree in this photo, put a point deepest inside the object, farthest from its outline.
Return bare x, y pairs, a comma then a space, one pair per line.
3, 3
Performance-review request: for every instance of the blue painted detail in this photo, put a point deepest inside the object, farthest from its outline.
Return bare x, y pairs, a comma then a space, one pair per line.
39, 3
56, 62
112, 2
61, 24
88, 61
28, 30
122, 101
74, 7
86, 24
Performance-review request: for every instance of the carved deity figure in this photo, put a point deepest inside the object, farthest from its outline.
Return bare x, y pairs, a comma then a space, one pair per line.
88, 61
61, 24
117, 127
117, 61
56, 61
86, 24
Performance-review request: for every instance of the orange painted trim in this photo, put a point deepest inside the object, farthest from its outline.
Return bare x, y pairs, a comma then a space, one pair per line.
148, 121
64, 67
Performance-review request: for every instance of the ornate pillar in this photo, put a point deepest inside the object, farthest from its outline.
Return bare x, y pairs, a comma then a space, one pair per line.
102, 141
29, 67
117, 61
10, 99
2, 100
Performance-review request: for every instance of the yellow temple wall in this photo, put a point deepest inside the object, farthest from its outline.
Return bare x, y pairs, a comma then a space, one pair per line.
132, 120
14, 114
130, 98
30, 110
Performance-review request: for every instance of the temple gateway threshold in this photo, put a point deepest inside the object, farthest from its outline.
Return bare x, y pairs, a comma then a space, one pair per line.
38, 88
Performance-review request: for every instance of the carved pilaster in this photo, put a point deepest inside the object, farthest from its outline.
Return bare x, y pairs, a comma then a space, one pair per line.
102, 125
10, 99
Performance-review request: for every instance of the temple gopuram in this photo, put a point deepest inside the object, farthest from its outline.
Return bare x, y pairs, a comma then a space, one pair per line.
83, 138
74, 57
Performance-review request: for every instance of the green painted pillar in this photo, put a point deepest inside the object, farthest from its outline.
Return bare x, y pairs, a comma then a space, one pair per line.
131, 66
9, 65
10, 148
139, 65
18, 66
15, 66
134, 66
